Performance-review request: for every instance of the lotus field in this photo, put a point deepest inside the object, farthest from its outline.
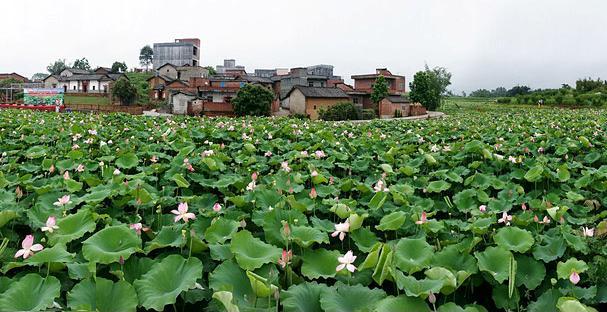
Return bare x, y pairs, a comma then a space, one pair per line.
479, 211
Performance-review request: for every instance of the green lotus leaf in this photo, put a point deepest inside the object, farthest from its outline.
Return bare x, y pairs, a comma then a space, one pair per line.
72, 227
221, 230
550, 248
564, 269
319, 263
384, 267
36, 152
503, 299
304, 297
102, 295
225, 297
228, 276
546, 302
417, 288
180, 180
378, 200
30, 293
166, 280
364, 239
6, 216
57, 254
438, 186
401, 303
448, 279
97, 195
412, 255
305, 236
169, 236
350, 298
514, 238
529, 272
251, 252
569, 304
392, 222
495, 261
111, 243
127, 161
534, 174
261, 286
450, 307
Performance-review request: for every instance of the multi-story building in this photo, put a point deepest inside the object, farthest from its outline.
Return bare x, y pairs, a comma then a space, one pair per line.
396, 83
229, 66
319, 76
182, 52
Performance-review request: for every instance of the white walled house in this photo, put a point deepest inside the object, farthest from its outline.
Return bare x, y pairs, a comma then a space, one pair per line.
82, 81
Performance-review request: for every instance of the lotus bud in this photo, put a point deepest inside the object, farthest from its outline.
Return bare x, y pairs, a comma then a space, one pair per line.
121, 260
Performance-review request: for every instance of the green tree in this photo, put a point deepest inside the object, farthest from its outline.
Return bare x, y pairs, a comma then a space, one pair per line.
430, 86
124, 90
119, 67
39, 76
57, 67
253, 100
425, 89
82, 63
212, 71
146, 56
380, 90
339, 111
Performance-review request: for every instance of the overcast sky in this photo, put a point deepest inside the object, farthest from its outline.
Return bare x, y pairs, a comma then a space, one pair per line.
484, 43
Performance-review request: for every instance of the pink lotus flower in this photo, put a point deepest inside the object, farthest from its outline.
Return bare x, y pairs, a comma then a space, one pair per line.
66, 175
314, 173
285, 166
423, 219
341, 229
505, 218
286, 229
138, 227
208, 153
523, 206
182, 213
574, 277
588, 232
51, 225
62, 201
217, 207
268, 154
304, 153
285, 259
313, 193
80, 168
28, 247
482, 208
346, 262
320, 154
546, 220
51, 169
380, 187
254, 176
117, 172
431, 298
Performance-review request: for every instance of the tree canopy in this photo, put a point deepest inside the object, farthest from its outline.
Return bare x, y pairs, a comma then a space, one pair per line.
38, 76
146, 56
429, 86
380, 90
253, 100
56, 67
124, 90
82, 63
119, 67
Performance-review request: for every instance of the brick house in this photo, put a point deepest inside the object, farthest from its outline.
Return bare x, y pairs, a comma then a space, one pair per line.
14, 76
388, 107
309, 100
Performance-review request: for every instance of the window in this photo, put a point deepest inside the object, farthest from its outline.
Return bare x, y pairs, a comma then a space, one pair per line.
322, 84
54, 85
314, 107
93, 88
310, 84
74, 87
222, 84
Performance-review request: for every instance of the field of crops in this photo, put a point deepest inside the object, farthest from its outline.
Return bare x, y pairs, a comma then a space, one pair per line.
488, 210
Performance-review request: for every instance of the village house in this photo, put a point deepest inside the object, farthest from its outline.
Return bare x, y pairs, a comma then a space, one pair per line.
395, 104
309, 101
314, 76
74, 80
14, 76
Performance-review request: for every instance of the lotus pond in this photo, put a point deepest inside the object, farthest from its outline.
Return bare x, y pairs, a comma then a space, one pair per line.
480, 211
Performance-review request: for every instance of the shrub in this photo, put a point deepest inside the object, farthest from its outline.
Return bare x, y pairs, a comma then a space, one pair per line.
503, 101
368, 114
124, 90
339, 111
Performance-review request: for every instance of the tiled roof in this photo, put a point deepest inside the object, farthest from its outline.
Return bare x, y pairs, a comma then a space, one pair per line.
320, 92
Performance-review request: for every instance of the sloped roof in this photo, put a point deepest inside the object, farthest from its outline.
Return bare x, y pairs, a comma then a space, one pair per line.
87, 77
78, 71
320, 92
